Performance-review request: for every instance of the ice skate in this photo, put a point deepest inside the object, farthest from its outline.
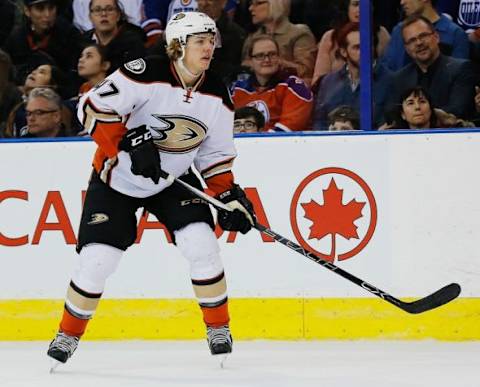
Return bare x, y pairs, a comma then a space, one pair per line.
220, 342
61, 349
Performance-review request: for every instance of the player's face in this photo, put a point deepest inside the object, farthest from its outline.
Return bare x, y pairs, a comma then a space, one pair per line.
416, 111
42, 117
42, 16
90, 63
104, 15
212, 8
199, 52
354, 11
265, 58
41, 76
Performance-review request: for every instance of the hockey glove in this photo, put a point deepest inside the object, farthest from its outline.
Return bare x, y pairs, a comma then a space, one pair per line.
139, 144
242, 218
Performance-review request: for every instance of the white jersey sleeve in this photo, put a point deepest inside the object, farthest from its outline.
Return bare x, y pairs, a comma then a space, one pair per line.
112, 99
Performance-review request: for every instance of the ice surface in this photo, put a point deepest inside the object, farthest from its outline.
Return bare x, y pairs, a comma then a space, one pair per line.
253, 363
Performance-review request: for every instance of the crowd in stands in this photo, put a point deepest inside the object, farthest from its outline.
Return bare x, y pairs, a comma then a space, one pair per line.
291, 65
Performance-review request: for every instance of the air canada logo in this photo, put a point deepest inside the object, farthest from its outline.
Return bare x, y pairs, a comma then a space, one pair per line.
177, 134
333, 213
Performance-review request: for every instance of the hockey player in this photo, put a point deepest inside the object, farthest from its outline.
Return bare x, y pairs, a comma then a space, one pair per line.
152, 115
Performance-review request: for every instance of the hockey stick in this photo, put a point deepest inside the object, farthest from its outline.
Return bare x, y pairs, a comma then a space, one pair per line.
432, 301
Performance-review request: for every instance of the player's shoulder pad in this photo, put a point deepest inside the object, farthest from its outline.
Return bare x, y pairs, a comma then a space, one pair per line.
214, 86
146, 70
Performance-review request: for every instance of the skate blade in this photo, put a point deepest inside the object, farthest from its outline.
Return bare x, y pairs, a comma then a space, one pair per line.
223, 359
53, 365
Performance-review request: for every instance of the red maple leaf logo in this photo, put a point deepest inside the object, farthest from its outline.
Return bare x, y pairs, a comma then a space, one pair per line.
333, 217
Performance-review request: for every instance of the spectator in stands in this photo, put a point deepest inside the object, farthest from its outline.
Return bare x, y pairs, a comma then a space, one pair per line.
343, 118
328, 57
43, 37
450, 81
81, 13
43, 76
44, 117
452, 39
342, 87
93, 66
123, 40
296, 41
248, 120
285, 101
229, 40
10, 95
416, 111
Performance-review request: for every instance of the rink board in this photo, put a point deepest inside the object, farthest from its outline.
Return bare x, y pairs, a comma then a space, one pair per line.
410, 225
281, 319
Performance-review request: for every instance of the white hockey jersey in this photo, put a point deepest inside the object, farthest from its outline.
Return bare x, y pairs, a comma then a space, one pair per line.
188, 126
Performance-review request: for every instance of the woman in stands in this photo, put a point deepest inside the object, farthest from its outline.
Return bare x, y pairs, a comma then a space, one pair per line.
285, 100
125, 41
297, 45
417, 112
93, 66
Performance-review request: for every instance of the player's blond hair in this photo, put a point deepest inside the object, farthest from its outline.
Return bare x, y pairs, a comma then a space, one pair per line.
174, 50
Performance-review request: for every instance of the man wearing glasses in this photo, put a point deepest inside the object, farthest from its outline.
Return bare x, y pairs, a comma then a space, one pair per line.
43, 111
247, 119
453, 40
450, 81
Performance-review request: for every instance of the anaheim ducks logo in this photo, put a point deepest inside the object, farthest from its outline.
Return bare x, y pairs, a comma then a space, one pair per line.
178, 134
181, 15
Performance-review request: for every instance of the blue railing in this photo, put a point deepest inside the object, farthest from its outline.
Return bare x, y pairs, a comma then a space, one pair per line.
278, 134
366, 109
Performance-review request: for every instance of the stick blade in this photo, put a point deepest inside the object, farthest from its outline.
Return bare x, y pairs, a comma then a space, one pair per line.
434, 300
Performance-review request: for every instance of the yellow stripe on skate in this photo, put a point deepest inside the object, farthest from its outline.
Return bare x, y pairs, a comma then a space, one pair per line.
252, 318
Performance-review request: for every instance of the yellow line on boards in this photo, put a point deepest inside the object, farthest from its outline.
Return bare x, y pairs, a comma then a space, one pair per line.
251, 318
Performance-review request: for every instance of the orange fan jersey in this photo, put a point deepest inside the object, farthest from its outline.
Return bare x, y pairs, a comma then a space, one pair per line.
286, 103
